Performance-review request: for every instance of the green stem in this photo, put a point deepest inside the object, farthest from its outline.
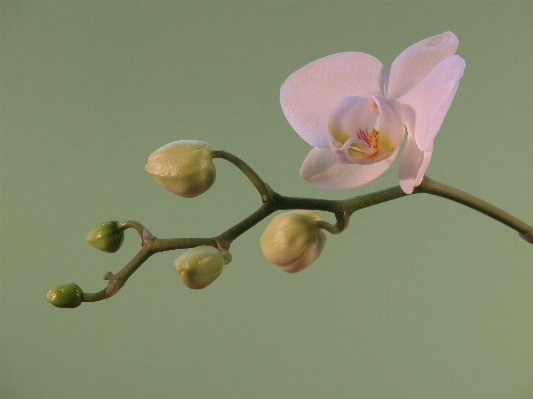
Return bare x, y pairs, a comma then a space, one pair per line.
170, 244
254, 178
97, 296
132, 224
337, 228
272, 202
379, 197
232, 233
119, 279
433, 187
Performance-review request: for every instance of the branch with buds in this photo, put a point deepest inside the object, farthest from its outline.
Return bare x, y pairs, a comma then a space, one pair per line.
293, 240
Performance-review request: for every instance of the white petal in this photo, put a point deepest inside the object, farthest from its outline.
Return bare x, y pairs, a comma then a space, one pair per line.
413, 164
427, 104
417, 61
308, 95
322, 169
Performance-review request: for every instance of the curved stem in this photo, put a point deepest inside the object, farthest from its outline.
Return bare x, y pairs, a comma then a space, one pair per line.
433, 187
254, 178
337, 228
132, 224
97, 296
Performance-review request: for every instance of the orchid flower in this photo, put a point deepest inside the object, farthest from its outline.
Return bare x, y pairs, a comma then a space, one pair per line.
355, 116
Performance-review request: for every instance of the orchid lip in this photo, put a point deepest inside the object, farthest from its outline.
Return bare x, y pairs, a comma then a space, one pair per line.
341, 151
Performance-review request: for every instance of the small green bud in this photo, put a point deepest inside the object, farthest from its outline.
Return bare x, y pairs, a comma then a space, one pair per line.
107, 237
183, 167
293, 241
200, 266
65, 296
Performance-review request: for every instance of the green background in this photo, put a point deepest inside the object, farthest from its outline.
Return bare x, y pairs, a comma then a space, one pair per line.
419, 298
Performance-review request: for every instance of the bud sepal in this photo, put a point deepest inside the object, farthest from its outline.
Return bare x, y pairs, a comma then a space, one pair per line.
293, 240
107, 237
184, 167
200, 266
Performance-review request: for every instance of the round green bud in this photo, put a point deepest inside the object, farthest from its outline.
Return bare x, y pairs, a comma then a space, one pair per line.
107, 237
293, 241
200, 266
65, 296
183, 167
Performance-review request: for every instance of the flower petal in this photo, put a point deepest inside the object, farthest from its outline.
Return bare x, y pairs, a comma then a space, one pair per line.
308, 95
427, 104
322, 169
417, 61
413, 164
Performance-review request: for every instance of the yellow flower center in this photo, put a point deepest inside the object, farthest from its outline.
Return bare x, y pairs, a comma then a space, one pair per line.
372, 139
359, 134
369, 140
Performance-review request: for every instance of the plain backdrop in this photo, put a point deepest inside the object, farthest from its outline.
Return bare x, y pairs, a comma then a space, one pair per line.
419, 298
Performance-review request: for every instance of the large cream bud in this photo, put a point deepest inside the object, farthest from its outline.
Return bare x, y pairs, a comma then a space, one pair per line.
293, 241
183, 167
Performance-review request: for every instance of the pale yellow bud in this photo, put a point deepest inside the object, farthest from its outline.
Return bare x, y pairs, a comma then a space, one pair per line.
200, 266
293, 241
183, 167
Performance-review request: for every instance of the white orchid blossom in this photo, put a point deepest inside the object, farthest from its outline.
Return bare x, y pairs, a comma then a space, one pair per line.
354, 114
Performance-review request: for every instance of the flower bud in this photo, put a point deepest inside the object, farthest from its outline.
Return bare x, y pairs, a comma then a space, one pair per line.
65, 296
200, 266
183, 167
292, 240
107, 237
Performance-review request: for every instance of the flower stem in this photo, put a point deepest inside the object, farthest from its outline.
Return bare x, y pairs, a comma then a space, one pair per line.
254, 178
337, 228
225, 239
273, 201
132, 224
433, 187
97, 296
